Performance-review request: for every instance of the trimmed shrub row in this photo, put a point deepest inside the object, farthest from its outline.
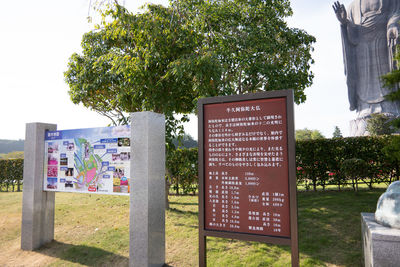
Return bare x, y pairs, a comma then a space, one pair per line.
322, 162
11, 173
342, 161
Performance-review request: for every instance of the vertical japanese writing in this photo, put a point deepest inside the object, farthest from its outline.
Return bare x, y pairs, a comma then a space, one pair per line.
246, 175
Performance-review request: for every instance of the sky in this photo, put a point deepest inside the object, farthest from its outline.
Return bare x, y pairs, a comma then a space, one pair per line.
38, 37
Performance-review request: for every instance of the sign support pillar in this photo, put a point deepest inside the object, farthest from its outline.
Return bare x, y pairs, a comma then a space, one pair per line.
147, 190
37, 205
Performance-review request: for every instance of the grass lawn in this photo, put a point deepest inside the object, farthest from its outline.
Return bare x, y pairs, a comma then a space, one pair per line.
92, 230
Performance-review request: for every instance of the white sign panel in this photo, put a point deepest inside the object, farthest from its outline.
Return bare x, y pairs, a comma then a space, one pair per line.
93, 160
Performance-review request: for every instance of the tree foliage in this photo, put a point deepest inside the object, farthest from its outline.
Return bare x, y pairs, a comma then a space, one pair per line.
144, 62
255, 48
392, 80
11, 174
164, 58
185, 141
306, 134
379, 124
337, 133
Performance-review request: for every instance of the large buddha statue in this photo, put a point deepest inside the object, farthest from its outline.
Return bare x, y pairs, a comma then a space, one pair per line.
370, 31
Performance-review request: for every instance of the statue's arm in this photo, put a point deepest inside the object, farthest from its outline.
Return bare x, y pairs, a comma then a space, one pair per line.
348, 28
349, 33
341, 13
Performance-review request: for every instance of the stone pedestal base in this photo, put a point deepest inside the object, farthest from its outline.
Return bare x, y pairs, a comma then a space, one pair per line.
358, 127
381, 244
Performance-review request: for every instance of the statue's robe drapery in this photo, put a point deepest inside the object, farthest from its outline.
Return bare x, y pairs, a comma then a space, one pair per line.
367, 54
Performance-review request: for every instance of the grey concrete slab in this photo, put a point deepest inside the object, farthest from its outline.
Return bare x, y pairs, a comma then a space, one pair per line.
381, 244
147, 196
37, 226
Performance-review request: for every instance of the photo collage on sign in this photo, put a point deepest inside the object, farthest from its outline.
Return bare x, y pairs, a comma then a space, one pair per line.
66, 174
95, 160
52, 165
120, 160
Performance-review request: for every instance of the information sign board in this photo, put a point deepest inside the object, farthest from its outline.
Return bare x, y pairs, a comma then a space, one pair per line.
92, 160
247, 168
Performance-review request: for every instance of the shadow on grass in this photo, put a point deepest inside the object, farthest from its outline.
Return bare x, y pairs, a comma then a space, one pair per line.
183, 203
82, 254
188, 212
330, 224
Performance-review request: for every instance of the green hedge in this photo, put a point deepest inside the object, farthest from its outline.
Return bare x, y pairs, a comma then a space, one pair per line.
322, 162
342, 161
11, 174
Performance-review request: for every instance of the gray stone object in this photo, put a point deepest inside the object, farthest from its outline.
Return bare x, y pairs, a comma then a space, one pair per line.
381, 244
370, 32
37, 226
147, 196
388, 207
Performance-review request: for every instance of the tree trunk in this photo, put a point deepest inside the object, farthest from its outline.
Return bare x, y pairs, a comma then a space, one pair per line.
167, 185
166, 194
356, 185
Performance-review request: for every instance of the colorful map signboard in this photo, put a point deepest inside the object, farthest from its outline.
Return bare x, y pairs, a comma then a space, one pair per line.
93, 160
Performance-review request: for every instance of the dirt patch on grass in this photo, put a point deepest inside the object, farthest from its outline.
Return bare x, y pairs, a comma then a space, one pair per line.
12, 255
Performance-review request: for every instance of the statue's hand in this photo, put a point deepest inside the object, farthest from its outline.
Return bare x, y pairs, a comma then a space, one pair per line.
341, 13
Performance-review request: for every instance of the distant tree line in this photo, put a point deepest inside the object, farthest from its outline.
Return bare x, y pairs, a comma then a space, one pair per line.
7, 146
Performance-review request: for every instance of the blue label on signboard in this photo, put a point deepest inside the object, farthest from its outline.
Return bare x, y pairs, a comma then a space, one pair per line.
113, 150
109, 140
53, 135
105, 163
99, 146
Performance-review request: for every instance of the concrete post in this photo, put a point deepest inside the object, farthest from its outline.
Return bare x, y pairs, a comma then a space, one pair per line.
147, 196
37, 205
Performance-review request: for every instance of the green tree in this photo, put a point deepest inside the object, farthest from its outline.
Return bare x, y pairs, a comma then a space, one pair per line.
165, 58
185, 141
306, 134
379, 124
337, 133
255, 48
144, 62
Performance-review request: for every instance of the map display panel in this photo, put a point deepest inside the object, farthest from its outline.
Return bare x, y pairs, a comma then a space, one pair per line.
92, 160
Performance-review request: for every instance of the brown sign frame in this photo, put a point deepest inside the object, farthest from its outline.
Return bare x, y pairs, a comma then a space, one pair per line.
291, 241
